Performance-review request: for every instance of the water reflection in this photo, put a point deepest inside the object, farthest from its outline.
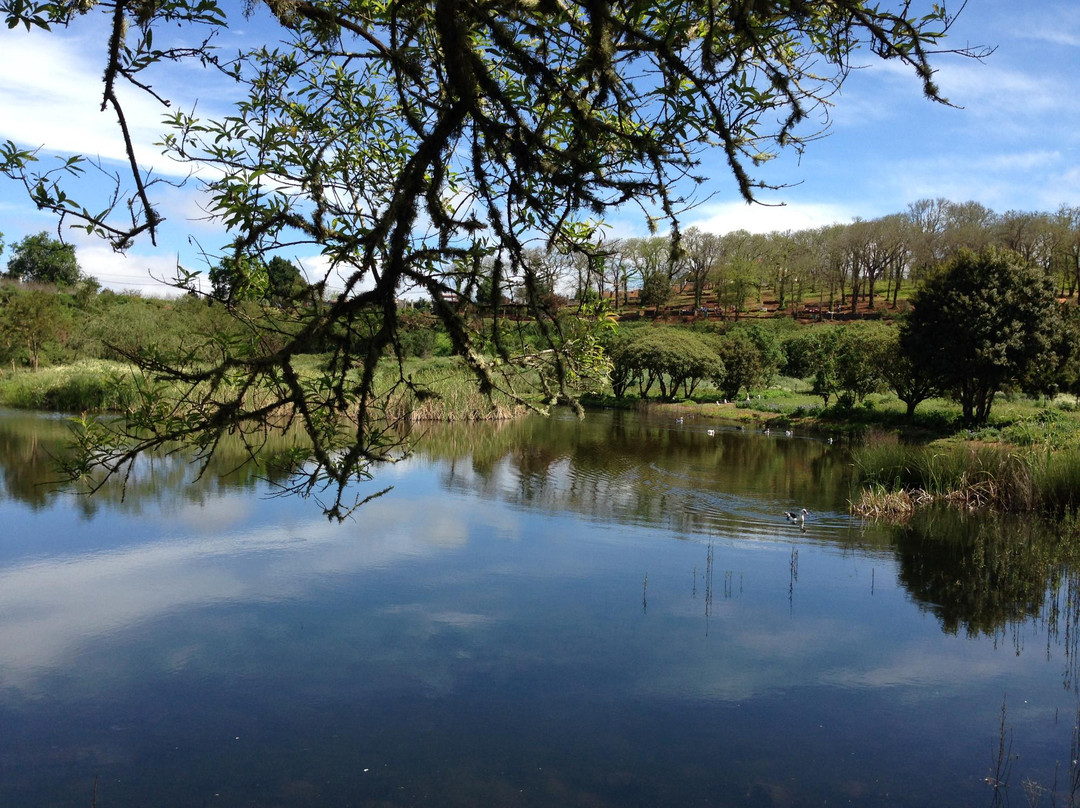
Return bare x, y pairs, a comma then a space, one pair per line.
612, 612
31, 446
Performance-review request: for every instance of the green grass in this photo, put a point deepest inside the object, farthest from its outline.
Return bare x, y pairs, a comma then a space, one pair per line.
1018, 479
93, 385
451, 394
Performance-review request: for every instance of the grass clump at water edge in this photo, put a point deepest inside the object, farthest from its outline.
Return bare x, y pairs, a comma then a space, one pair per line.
896, 478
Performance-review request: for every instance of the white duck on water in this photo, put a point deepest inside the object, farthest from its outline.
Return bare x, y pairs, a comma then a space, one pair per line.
797, 516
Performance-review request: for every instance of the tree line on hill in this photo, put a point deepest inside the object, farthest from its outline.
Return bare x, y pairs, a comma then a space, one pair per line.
840, 266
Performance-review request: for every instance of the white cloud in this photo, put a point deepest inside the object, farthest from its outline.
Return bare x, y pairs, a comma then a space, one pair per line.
726, 217
54, 105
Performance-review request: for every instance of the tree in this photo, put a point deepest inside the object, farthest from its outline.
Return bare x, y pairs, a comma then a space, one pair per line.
738, 273
673, 359
410, 141
861, 355
43, 259
743, 366
284, 282
700, 256
908, 377
983, 321
29, 319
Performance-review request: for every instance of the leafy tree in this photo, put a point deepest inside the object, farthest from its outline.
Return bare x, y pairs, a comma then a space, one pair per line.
29, 320
861, 355
824, 358
284, 281
407, 142
672, 358
798, 353
656, 290
742, 364
625, 372
908, 377
43, 259
983, 321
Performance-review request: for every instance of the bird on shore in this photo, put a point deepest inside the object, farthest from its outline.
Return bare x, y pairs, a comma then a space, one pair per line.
794, 516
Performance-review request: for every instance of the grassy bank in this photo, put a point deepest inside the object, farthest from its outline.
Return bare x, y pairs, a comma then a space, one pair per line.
92, 385
98, 386
1026, 460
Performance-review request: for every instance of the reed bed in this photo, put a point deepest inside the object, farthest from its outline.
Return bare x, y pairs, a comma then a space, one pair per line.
896, 479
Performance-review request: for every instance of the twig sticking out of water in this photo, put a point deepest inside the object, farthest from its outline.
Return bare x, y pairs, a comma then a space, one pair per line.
794, 573
1002, 762
708, 585
1074, 763
644, 594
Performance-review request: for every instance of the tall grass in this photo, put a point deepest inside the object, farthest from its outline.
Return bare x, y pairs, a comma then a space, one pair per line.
451, 393
1008, 479
86, 386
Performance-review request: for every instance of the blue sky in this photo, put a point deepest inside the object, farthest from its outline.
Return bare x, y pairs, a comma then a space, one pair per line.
1013, 143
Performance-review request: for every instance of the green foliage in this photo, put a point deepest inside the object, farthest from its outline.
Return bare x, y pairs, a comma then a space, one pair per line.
983, 321
862, 353
285, 283
29, 320
41, 258
798, 353
907, 376
744, 364
655, 290
673, 359
86, 386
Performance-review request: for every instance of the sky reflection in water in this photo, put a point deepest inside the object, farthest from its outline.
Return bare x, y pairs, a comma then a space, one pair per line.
612, 613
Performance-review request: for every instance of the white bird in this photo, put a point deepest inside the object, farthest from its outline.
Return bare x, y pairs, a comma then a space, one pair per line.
787, 432
830, 441
710, 432
796, 517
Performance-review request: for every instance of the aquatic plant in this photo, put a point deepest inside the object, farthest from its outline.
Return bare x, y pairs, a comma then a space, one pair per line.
895, 478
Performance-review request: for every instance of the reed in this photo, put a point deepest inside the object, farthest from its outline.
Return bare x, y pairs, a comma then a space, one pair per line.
895, 478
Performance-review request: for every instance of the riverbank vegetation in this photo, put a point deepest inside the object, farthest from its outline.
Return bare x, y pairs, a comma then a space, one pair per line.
944, 345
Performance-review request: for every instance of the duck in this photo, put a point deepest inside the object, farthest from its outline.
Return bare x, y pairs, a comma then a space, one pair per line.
794, 516
710, 432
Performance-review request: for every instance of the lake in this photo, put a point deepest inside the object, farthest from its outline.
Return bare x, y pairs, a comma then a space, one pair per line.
549, 612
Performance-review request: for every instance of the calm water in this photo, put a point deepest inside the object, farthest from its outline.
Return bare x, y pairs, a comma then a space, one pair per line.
612, 612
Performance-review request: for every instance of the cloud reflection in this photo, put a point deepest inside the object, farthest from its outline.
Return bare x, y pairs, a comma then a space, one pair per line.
52, 608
